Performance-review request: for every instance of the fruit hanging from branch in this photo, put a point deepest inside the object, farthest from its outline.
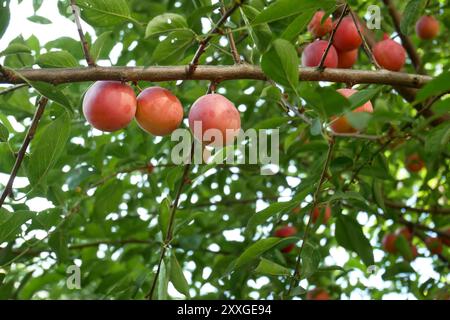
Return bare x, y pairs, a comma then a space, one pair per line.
159, 112
214, 120
109, 105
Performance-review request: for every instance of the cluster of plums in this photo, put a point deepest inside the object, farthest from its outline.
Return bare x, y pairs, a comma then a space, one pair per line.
434, 244
112, 105
343, 52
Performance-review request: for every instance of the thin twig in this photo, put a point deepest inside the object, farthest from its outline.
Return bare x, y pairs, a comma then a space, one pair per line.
203, 44
330, 42
233, 48
356, 136
295, 280
169, 234
365, 45
432, 210
21, 154
13, 88
84, 44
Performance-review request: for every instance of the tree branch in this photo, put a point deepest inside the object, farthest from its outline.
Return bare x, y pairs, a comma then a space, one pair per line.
13, 88
323, 177
216, 73
169, 234
333, 32
203, 44
84, 44
432, 210
21, 154
233, 48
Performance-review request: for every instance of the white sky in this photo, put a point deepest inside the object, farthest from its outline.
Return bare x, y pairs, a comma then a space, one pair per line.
20, 25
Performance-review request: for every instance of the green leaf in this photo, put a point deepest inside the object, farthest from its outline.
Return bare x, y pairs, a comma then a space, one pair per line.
48, 147
164, 23
57, 59
4, 133
260, 34
437, 86
10, 223
37, 4
164, 216
403, 267
105, 13
15, 48
349, 235
403, 246
281, 62
361, 97
99, 44
39, 19
259, 247
297, 291
347, 195
163, 282
177, 277
59, 244
275, 208
271, 268
437, 139
298, 25
377, 190
411, 14
271, 123
173, 48
51, 92
4, 19
316, 127
108, 198
358, 120
310, 259
286, 8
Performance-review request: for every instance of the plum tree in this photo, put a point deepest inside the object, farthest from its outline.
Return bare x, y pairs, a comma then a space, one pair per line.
341, 124
427, 27
346, 37
144, 222
109, 105
389, 54
313, 53
214, 111
285, 232
346, 59
159, 112
317, 28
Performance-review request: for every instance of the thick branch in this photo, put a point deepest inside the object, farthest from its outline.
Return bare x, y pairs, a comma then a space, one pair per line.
23, 149
211, 73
